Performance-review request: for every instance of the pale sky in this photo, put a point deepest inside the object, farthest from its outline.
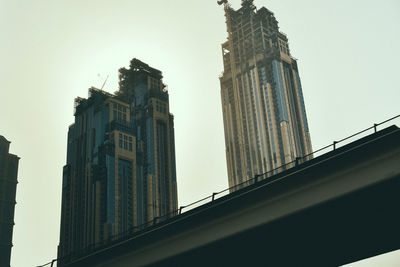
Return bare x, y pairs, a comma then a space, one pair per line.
52, 51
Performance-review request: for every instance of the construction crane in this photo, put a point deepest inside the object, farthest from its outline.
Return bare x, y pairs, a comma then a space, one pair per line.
104, 83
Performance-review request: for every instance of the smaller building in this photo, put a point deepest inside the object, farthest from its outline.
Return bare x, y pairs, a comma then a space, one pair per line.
120, 174
8, 186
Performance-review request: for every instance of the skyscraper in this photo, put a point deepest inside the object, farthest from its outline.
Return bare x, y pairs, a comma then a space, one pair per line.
264, 115
8, 187
120, 170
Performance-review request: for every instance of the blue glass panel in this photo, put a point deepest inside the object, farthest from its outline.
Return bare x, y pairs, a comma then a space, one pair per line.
259, 116
271, 133
303, 107
140, 94
110, 163
139, 194
150, 145
125, 193
280, 91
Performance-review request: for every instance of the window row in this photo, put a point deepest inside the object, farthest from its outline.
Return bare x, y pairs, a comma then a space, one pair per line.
154, 83
161, 107
119, 112
125, 142
283, 46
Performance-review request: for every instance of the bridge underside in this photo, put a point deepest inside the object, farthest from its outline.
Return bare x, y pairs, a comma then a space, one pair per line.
340, 231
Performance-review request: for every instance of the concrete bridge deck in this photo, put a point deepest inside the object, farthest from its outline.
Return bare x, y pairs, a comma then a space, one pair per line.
334, 209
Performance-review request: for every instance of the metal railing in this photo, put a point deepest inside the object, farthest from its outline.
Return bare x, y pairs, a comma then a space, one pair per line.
286, 166
158, 221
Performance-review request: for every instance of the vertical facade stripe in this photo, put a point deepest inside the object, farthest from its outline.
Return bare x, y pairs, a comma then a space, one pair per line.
280, 91
303, 107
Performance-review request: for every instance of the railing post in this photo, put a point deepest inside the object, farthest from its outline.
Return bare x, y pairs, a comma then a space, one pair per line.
334, 144
213, 196
180, 209
256, 178
375, 125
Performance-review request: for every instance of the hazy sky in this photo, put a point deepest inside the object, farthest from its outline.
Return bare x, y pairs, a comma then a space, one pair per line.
52, 51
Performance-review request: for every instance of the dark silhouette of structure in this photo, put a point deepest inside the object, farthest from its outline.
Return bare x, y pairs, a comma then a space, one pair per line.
120, 170
8, 187
328, 211
263, 108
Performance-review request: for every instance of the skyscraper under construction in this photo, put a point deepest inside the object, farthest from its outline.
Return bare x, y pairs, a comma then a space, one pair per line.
120, 170
264, 115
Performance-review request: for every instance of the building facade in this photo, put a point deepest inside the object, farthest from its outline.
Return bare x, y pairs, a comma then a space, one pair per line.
8, 187
264, 114
120, 170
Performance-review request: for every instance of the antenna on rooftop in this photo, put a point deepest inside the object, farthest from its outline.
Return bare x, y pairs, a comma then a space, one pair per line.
104, 83
104, 80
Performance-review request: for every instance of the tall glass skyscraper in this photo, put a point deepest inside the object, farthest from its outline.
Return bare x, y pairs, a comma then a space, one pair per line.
120, 170
264, 114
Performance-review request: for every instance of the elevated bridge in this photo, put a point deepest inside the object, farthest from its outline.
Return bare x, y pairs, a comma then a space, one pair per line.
334, 209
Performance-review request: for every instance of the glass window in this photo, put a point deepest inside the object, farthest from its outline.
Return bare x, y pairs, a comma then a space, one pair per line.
125, 142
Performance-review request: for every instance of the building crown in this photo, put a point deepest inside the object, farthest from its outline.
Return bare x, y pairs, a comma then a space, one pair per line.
247, 2
248, 5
